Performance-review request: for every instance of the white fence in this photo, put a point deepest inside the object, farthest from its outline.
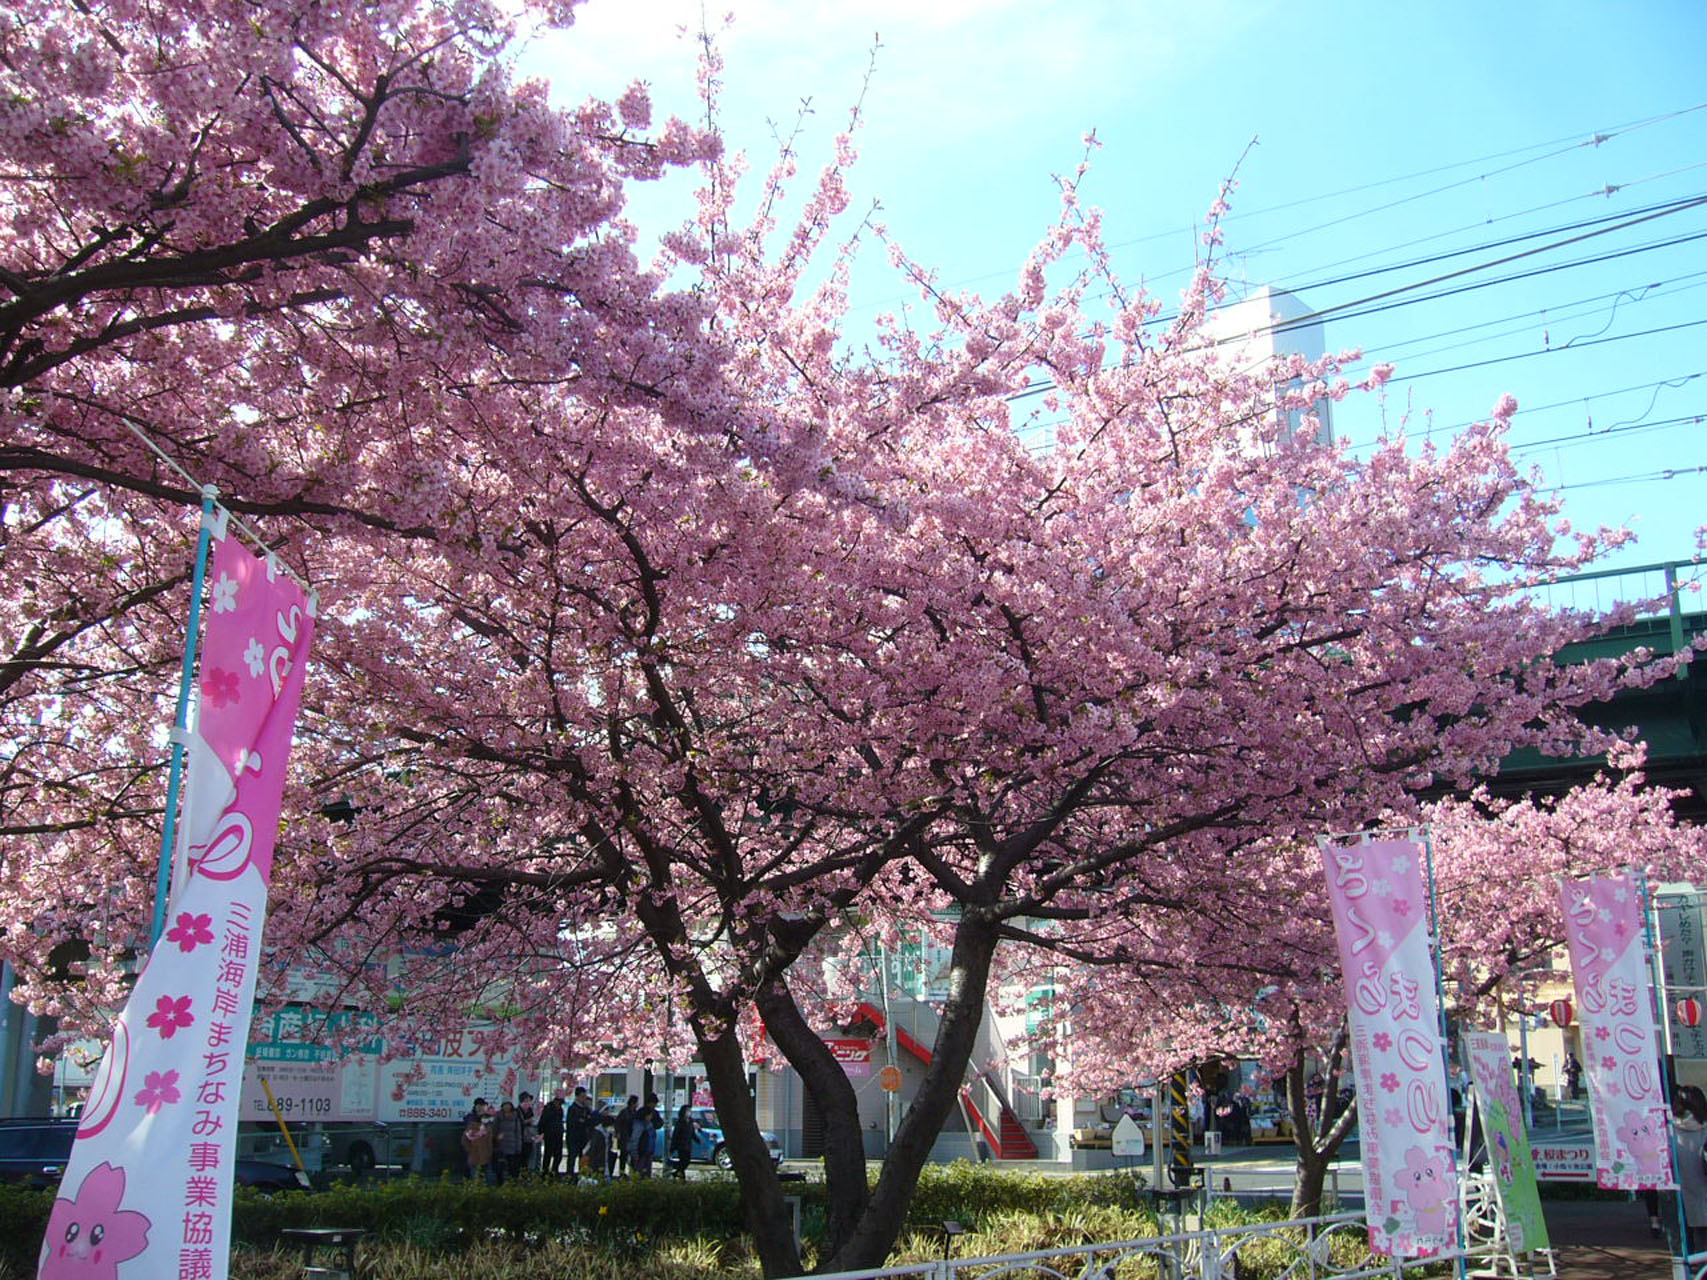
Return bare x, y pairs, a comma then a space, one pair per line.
1328, 1248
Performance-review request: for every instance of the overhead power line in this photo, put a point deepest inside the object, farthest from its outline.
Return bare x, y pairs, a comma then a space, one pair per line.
1559, 146
1315, 317
1548, 351
1485, 246
1603, 192
1643, 477
1393, 298
1591, 434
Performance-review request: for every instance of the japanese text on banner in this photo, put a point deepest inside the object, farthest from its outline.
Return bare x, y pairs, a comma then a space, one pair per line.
147, 1189
1376, 891
1632, 1137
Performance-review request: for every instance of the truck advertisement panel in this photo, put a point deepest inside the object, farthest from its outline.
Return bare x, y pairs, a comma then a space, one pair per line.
311, 1080
440, 1079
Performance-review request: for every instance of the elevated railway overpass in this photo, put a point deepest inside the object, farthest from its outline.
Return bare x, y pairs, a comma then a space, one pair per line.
1670, 715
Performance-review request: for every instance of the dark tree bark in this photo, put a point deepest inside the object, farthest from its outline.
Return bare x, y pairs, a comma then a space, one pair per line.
1319, 1137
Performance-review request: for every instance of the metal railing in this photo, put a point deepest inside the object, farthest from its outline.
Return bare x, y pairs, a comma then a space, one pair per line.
1668, 585
1334, 1247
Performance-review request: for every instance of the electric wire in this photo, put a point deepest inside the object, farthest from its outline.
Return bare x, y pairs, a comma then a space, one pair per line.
1575, 140
1594, 140
1602, 433
1602, 192
1556, 314
1392, 299
1485, 246
1642, 477
1548, 351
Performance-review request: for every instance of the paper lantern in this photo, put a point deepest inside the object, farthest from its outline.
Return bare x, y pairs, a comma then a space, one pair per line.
1561, 1012
1689, 1012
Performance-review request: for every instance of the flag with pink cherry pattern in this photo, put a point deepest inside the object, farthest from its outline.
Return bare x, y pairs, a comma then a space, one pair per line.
147, 1190
1380, 908
1603, 929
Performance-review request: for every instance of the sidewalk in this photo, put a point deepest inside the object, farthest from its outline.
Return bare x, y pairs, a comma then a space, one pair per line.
1604, 1240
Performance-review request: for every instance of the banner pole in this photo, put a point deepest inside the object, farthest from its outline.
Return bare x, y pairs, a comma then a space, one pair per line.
1427, 839
1668, 1063
180, 722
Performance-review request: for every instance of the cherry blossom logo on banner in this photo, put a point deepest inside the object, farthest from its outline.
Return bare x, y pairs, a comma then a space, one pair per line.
1375, 887
147, 1190
1615, 1005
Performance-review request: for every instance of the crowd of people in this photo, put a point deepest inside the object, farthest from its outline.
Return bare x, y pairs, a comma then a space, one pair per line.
576, 1139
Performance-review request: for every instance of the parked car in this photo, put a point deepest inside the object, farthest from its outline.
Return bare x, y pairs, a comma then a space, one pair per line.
34, 1153
264, 1175
359, 1149
708, 1147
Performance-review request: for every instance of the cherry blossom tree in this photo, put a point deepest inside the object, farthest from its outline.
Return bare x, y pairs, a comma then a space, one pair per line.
1259, 976
672, 641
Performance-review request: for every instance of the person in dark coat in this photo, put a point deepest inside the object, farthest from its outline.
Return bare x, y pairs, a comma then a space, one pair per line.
551, 1137
600, 1153
577, 1128
528, 1110
681, 1144
643, 1141
625, 1136
507, 1142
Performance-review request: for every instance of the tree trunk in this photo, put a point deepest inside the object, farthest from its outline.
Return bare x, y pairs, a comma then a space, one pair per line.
761, 1191
846, 1184
885, 1212
1317, 1138
1308, 1181
862, 1223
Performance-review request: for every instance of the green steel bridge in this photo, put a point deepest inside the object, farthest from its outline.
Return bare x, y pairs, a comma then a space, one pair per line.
1670, 715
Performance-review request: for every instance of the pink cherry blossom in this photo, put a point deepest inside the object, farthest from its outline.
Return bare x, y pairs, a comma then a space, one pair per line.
685, 646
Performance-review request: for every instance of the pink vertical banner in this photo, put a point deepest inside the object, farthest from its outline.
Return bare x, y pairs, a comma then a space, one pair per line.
147, 1190
1375, 887
1603, 928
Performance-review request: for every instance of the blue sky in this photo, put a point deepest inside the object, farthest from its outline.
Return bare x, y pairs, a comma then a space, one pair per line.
1385, 134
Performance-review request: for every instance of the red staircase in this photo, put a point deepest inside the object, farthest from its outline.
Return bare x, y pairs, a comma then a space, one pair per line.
1007, 1137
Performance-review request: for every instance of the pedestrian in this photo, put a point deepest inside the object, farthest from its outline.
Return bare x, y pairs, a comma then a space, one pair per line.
477, 1143
625, 1136
643, 1141
577, 1128
551, 1138
611, 1122
597, 1155
682, 1135
1573, 1076
1689, 1112
507, 1142
529, 1116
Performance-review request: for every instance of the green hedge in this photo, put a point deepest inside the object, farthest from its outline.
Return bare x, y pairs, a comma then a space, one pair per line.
447, 1215
448, 1219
